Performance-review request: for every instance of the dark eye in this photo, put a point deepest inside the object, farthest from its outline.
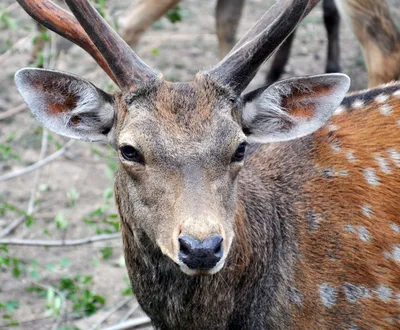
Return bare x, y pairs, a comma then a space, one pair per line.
239, 154
131, 154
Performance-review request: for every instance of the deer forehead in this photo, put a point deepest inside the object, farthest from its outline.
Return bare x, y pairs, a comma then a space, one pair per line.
180, 116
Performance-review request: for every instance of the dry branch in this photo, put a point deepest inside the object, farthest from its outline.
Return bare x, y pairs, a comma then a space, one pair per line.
59, 243
38, 164
13, 111
140, 321
114, 309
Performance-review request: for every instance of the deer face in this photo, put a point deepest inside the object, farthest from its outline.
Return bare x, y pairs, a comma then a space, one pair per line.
181, 147
180, 150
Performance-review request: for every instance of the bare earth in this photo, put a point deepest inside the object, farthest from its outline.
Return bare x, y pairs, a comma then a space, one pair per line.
179, 51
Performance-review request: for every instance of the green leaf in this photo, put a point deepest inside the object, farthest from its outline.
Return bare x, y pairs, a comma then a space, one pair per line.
61, 221
174, 15
107, 252
155, 51
11, 306
108, 194
64, 262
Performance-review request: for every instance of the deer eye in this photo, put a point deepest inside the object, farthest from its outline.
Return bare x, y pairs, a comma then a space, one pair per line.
239, 154
131, 154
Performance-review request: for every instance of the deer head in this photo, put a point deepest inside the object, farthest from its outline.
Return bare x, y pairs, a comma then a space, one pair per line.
180, 145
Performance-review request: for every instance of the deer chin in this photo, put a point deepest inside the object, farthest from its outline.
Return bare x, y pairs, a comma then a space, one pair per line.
202, 272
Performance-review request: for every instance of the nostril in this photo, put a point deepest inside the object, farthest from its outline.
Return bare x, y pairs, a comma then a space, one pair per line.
184, 247
218, 249
217, 246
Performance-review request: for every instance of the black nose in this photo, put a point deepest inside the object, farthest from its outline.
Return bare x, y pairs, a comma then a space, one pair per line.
198, 254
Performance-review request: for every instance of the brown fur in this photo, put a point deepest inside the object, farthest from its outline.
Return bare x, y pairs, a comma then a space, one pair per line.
331, 254
300, 226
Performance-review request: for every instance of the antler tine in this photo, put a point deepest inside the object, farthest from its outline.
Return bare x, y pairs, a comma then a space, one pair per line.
63, 23
127, 67
239, 67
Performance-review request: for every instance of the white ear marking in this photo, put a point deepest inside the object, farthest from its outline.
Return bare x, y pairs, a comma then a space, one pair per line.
357, 104
382, 98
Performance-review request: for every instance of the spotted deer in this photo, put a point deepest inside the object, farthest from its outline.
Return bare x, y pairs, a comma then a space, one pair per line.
370, 20
276, 209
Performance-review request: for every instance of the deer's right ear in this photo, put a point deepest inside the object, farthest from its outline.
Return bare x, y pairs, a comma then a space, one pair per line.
66, 104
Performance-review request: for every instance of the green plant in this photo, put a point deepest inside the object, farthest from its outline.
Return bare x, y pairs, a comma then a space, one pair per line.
7, 207
7, 309
6, 153
107, 252
77, 290
8, 262
61, 221
6, 21
174, 15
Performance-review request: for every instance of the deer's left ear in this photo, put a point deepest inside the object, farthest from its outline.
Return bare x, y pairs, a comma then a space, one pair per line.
67, 104
292, 108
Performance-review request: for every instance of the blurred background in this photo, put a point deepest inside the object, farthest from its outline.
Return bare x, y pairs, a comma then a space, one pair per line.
60, 193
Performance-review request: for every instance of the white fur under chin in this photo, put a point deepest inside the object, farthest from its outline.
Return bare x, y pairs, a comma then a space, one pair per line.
193, 272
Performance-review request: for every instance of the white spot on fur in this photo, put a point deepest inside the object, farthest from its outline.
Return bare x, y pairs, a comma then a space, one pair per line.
363, 234
371, 177
349, 229
396, 253
357, 104
335, 146
351, 157
367, 210
386, 110
343, 173
333, 128
383, 292
395, 227
394, 156
328, 295
339, 110
397, 93
387, 255
355, 292
382, 98
383, 164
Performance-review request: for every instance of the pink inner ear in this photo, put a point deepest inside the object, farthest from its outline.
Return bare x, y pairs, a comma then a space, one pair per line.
65, 105
302, 103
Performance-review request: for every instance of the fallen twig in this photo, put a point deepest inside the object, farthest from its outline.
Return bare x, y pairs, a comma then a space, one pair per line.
13, 111
115, 308
21, 219
129, 313
43, 151
38, 164
144, 320
60, 243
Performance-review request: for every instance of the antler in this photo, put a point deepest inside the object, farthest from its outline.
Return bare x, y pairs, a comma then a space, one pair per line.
239, 67
92, 33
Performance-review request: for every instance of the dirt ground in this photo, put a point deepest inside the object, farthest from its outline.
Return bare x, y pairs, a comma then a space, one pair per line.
179, 51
